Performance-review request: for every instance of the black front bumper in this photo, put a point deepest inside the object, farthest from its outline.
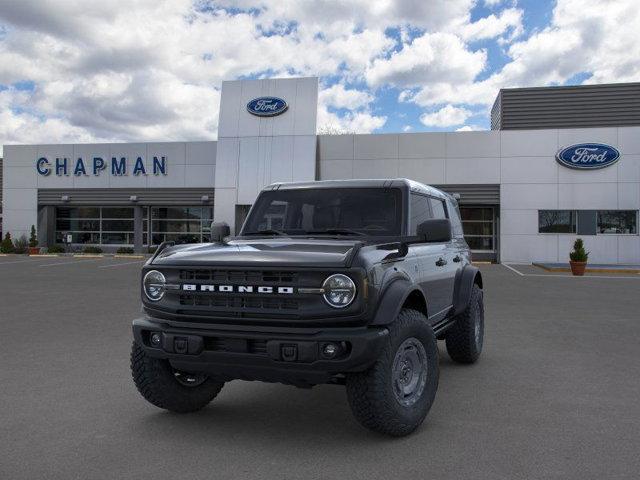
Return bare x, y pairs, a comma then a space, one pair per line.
293, 356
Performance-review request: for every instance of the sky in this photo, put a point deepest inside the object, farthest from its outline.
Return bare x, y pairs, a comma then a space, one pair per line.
77, 71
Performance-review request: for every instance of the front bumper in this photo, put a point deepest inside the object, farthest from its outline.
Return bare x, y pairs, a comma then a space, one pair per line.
293, 356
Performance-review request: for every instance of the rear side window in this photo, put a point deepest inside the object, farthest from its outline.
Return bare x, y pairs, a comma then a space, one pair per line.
437, 208
454, 216
420, 212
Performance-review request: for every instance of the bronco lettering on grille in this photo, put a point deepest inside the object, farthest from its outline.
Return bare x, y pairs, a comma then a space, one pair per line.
191, 287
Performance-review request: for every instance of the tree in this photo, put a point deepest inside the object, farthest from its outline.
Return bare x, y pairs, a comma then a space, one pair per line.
33, 239
7, 244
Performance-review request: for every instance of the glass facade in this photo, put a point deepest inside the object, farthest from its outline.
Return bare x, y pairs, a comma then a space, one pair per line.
557, 221
115, 225
478, 224
618, 221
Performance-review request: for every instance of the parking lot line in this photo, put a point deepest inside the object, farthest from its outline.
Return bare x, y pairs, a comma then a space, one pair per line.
121, 264
565, 276
31, 259
69, 263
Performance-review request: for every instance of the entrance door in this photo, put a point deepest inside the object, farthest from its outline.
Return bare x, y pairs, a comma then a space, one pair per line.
479, 224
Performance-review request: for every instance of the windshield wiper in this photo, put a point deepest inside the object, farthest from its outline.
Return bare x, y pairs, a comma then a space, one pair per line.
267, 231
336, 231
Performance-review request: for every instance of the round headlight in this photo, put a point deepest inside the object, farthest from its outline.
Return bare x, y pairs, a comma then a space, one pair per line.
153, 285
339, 290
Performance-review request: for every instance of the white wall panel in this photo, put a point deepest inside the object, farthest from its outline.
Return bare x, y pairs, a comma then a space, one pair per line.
422, 145
528, 196
336, 147
529, 143
473, 144
629, 196
519, 222
375, 147
387, 168
528, 248
200, 153
587, 196
529, 170
628, 249
629, 140
425, 170
473, 170
336, 169
570, 136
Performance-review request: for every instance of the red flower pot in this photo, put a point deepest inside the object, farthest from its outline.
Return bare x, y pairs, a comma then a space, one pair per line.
578, 268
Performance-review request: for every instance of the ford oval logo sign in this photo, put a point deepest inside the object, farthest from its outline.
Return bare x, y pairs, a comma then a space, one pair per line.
267, 106
588, 156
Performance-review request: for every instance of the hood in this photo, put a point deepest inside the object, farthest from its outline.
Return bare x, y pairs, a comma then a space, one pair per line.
265, 252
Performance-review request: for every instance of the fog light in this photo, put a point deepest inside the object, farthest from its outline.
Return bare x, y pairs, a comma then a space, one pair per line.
330, 350
156, 339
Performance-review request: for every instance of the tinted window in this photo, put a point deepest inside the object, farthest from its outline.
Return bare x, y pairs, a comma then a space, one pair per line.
437, 207
372, 211
556, 221
617, 221
419, 212
454, 215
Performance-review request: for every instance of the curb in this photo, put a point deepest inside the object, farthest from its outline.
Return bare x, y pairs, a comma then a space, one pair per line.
128, 256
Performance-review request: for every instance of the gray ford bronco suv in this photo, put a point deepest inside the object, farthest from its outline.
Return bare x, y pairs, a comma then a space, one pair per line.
343, 282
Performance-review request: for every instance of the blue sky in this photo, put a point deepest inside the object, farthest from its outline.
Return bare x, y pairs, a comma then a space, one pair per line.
77, 71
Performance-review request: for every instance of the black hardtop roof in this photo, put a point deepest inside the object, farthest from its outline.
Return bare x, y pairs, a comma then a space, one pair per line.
360, 183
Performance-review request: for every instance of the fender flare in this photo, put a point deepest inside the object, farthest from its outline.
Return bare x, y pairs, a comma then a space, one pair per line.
465, 279
392, 299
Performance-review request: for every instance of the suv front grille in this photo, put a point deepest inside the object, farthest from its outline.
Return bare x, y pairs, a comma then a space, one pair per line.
229, 301
241, 276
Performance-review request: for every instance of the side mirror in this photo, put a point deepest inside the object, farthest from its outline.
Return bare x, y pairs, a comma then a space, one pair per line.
435, 230
219, 230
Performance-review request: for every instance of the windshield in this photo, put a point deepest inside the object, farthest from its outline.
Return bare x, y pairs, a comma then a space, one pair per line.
330, 211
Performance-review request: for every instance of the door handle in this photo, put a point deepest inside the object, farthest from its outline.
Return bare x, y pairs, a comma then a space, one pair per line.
457, 259
441, 262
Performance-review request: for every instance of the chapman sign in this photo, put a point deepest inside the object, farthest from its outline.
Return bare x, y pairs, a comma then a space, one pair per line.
588, 156
95, 166
267, 106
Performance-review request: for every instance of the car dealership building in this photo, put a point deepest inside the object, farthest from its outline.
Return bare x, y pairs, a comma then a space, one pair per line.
559, 162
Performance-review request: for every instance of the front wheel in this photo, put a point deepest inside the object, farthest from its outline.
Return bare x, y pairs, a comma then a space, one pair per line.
394, 396
163, 386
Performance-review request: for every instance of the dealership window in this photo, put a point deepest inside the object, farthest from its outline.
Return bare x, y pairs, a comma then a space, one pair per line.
618, 221
95, 225
180, 224
478, 227
557, 221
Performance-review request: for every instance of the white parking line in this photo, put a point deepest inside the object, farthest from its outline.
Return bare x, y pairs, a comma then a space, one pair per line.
69, 263
121, 264
23, 261
564, 276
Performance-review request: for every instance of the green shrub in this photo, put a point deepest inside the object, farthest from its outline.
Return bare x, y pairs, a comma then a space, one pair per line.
579, 254
124, 250
7, 244
33, 239
92, 249
21, 244
56, 249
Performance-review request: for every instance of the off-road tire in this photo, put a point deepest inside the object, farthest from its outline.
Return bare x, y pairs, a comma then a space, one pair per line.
371, 393
462, 344
156, 382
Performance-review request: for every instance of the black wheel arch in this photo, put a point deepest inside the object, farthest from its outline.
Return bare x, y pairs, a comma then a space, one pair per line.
465, 279
399, 294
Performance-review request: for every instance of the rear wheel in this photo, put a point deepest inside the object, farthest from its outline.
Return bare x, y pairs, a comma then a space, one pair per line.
465, 339
395, 395
163, 386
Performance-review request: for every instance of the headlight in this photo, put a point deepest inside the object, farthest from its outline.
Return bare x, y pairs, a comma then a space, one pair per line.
153, 285
339, 290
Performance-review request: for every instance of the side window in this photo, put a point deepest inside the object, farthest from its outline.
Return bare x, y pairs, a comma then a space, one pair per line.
454, 216
419, 212
437, 207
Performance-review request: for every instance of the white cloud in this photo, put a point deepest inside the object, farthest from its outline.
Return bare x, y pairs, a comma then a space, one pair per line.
469, 128
433, 57
407, 128
338, 96
447, 116
509, 20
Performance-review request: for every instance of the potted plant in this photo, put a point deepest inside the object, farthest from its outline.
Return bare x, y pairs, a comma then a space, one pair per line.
33, 242
21, 245
578, 258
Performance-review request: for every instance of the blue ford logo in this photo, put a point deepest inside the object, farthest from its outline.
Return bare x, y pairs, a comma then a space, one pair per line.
588, 156
267, 106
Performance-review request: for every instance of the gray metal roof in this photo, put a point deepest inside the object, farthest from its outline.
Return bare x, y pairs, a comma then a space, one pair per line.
577, 106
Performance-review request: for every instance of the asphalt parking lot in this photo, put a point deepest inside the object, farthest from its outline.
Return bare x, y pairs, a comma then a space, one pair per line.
555, 394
